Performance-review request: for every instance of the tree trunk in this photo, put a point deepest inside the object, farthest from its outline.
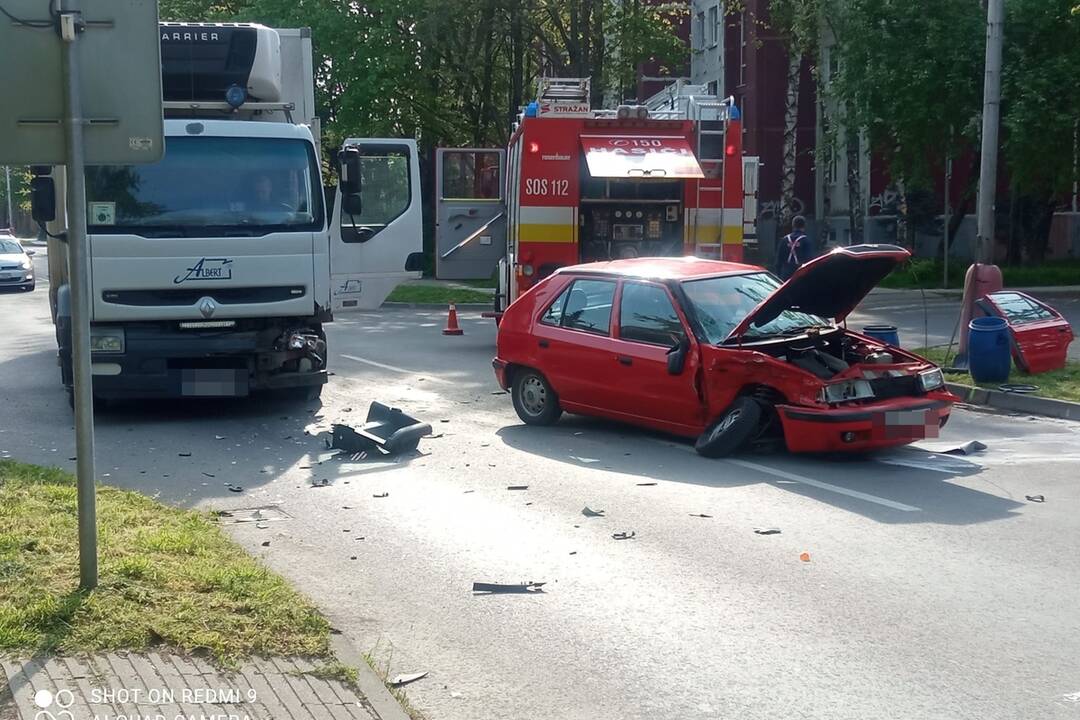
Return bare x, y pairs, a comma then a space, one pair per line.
854, 185
791, 121
518, 48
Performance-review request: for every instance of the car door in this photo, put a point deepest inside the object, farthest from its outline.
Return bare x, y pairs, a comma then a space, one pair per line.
470, 212
379, 244
647, 327
574, 343
1041, 336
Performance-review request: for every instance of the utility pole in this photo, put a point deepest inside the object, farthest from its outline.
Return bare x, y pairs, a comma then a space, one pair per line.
995, 38
71, 26
7, 178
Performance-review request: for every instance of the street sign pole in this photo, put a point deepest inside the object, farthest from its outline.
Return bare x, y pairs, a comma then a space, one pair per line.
70, 27
7, 179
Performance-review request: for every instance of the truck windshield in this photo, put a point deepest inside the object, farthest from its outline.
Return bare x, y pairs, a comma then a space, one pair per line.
208, 186
720, 304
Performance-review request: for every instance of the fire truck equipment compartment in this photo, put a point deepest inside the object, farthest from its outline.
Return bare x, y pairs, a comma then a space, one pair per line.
640, 156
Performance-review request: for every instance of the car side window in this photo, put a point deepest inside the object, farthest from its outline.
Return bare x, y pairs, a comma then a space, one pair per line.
588, 306
646, 315
553, 315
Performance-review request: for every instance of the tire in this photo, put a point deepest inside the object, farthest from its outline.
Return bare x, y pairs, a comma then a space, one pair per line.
305, 394
30, 287
534, 399
729, 432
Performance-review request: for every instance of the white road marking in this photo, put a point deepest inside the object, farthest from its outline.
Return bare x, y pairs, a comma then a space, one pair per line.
826, 486
392, 368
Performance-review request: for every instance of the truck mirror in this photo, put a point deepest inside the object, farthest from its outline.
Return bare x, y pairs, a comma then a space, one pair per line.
42, 199
349, 170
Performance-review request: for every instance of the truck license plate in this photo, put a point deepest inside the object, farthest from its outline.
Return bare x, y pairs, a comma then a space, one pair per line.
214, 383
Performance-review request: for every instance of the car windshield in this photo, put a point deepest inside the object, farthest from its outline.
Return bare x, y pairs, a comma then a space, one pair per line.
9, 247
721, 303
210, 185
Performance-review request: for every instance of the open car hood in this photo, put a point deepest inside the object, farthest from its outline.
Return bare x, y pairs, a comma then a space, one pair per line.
830, 286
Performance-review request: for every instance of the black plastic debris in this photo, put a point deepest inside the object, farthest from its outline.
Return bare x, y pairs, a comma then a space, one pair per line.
321, 482
184, 454
700, 515
767, 531
650, 484
381, 495
624, 536
968, 448
387, 430
406, 678
1035, 498
495, 588
234, 488
589, 512
573, 552
517, 487
209, 475
266, 543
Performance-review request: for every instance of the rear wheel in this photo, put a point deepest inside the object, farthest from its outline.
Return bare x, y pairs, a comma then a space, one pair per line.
731, 430
534, 399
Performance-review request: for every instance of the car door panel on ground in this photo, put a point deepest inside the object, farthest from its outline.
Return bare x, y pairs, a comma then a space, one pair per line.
648, 326
574, 343
1041, 335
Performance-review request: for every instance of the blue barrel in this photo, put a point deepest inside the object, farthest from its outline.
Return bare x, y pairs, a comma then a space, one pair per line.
988, 350
885, 333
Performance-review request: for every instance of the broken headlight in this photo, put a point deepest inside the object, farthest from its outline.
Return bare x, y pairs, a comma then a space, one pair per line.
931, 379
846, 390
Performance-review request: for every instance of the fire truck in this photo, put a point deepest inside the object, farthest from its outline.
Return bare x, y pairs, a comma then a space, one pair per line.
577, 184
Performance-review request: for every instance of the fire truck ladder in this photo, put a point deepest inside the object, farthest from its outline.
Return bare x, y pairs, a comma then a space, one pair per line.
564, 90
702, 110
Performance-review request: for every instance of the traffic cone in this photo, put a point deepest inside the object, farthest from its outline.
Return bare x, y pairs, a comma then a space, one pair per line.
451, 323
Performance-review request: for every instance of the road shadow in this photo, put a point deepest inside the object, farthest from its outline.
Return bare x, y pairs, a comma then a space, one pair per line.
835, 480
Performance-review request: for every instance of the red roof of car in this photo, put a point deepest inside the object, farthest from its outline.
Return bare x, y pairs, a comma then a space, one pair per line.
660, 268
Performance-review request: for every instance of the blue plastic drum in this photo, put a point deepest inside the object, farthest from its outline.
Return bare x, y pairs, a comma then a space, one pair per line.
885, 333
988, 349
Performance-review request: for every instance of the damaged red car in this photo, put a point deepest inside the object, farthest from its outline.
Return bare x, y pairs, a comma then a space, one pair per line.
722, 352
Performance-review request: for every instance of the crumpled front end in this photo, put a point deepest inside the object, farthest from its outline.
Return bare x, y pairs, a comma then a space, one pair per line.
865, 427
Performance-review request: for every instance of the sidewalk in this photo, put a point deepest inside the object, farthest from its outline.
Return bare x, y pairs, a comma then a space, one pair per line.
166, 686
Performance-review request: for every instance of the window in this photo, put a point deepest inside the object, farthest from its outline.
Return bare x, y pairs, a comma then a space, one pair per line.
721, 303
647, 315
385, 191
554, 313
588, 306
1019, 310
713, 26
699, 28
471, 175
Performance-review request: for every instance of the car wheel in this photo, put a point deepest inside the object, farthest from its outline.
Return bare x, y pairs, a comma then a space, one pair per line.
534, 399
731, 430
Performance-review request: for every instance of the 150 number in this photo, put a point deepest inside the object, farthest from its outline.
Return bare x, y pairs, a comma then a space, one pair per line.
544, 186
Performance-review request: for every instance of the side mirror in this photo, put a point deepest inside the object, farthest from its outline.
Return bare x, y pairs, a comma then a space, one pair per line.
351, 204
30, 253
42, 199
676, 356
349, 171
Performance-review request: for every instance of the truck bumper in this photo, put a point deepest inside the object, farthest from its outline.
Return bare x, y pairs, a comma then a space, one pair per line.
158, 363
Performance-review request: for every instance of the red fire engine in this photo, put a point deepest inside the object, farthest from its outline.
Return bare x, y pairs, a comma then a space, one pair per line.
665, 178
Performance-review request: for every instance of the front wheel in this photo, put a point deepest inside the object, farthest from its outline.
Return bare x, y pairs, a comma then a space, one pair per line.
731, 430
534, 399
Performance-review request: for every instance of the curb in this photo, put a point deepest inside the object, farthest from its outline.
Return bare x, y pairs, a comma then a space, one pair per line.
1014, 402
373, 688
437, 306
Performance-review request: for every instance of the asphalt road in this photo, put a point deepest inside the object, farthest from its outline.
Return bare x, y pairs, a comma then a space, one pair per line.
933, 590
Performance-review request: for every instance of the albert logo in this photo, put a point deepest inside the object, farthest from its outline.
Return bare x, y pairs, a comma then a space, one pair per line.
207, 269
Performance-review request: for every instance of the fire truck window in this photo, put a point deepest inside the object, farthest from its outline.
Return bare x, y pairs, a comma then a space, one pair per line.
471, 175
647, 315
588, 306
385, 189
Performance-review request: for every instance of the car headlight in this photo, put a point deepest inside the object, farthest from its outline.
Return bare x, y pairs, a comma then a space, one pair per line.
27, 264
846, 390
106, 340
931, 379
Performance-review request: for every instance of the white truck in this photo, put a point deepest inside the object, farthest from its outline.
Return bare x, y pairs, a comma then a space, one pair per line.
214, 270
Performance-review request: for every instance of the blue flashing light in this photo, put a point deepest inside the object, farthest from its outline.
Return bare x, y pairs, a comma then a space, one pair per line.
235, 96
532, 109
734, 114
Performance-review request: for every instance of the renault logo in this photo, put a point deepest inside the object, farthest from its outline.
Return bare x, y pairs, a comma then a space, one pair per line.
207, 307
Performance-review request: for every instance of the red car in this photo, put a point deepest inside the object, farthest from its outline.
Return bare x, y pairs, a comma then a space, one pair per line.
720, 351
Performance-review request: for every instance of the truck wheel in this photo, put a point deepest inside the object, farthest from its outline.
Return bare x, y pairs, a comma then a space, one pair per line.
308, 393
534, 399
731, 430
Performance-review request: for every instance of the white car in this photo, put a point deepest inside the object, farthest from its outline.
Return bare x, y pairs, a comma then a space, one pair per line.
16, 267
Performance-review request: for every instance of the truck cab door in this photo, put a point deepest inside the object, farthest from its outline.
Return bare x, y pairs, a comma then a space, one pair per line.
376, 232
470, 220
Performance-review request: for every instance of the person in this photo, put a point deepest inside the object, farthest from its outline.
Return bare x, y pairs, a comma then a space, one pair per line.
793, 249
264, 193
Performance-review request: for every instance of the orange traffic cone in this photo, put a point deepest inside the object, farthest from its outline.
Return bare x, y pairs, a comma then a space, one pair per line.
451, 323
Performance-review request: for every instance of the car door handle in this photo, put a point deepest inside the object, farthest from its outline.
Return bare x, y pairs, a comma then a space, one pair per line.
626, 360
544, 343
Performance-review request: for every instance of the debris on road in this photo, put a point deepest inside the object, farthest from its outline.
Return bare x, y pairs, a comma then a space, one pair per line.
1035, 498
209, 475
493, 588
234, 488
648, 484
586, 460
700, 515
381, 495
767, 531
265, 543
589, 512
573, 552
407, 678
624, 536
321, 482
184, 454
968, 448
219, 437
1019, 388
387, 430
805, 557
468, 491
517, 487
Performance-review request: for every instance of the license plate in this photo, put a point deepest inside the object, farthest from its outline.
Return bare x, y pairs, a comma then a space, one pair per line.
907, 418
213, 383
10, 275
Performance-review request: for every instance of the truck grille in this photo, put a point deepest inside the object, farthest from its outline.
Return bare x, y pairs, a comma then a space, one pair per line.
222, 296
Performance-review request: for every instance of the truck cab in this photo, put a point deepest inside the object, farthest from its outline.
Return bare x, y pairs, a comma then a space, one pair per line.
214, 270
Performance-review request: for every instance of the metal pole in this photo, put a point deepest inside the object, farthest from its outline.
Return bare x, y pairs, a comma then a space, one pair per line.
7, 178
995, 21
948, 215
70, 20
